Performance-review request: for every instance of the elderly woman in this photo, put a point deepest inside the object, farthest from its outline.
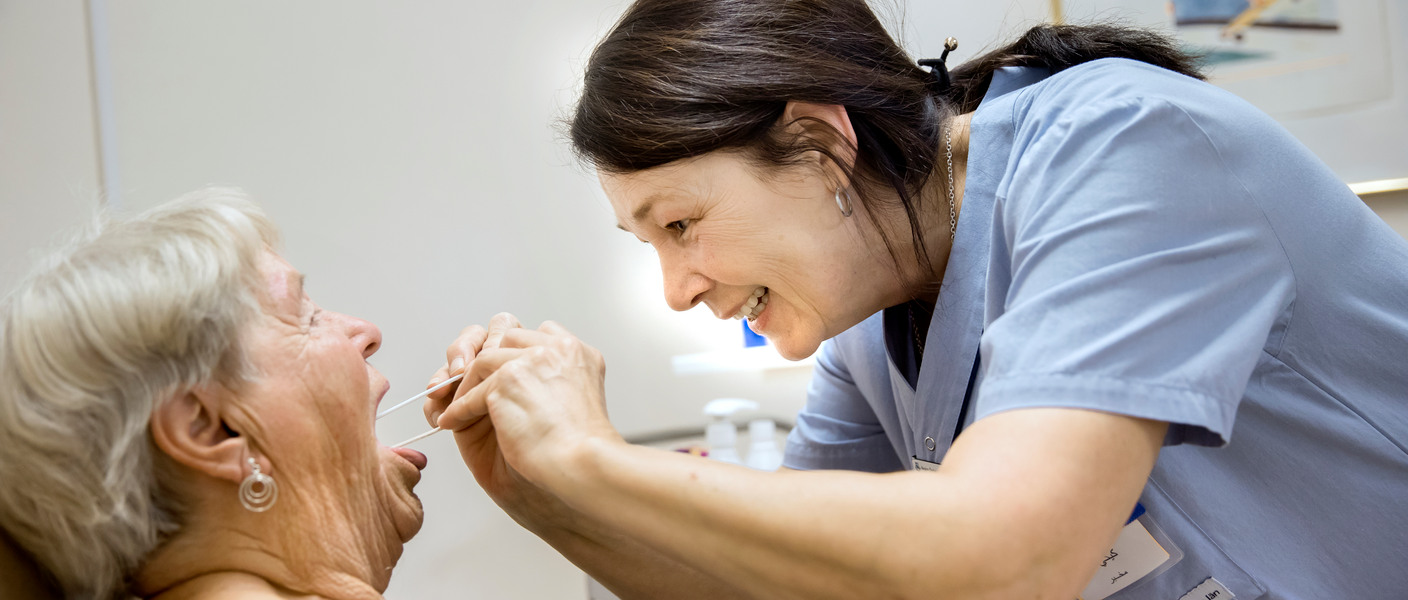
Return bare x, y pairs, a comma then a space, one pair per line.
179, 419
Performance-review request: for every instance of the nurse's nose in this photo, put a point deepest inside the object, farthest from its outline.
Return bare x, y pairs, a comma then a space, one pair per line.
684, 286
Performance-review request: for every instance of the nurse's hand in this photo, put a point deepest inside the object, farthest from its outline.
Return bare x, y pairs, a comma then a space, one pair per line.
544, 393
528, 504
470, 342
460, 353
477, 442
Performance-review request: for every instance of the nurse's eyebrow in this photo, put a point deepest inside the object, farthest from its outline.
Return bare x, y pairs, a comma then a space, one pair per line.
643, 210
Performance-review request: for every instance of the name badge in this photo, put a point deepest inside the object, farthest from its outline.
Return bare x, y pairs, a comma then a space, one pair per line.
1135, 554
1209, 589
920, 464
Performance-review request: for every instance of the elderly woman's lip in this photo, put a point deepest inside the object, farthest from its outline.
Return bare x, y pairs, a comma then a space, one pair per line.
416, 459
385, 387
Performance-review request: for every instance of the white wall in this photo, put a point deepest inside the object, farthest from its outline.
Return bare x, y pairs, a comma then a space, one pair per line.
408, 153
48, 148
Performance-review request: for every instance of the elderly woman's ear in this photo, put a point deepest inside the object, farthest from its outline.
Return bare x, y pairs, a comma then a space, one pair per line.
191, 428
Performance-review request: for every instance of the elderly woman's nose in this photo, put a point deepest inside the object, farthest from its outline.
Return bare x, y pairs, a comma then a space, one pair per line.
363, 333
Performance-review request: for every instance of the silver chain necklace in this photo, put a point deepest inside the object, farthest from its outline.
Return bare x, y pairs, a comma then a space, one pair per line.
952, 233
952, 212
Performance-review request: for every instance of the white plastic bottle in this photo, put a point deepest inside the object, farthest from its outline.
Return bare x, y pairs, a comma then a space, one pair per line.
722, 435
763, 453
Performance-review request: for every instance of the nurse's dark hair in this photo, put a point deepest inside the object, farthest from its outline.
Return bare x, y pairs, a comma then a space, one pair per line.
675, 79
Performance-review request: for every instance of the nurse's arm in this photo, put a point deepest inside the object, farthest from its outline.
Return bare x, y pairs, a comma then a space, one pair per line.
1023, 507
627, 567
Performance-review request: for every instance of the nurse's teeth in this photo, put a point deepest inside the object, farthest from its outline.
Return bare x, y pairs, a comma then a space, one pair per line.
755, 304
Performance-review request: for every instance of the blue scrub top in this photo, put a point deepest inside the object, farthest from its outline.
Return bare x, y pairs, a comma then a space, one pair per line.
1139, 242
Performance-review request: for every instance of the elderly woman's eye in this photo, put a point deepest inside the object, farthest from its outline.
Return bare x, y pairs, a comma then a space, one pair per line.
679, 226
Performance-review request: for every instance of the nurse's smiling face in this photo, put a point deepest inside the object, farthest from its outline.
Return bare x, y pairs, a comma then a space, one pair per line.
726, 232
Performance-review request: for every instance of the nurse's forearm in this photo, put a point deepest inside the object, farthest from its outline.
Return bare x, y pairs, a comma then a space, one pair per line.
626, 567
729, 522
1021, 508
630, 569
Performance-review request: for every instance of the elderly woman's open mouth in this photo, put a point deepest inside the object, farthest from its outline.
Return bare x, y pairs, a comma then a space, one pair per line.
415, 457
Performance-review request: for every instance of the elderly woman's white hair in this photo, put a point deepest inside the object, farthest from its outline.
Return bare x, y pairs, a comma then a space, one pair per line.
130, 314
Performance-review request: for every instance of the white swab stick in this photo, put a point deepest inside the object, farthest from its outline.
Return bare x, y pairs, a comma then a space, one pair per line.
419, 437
419, 396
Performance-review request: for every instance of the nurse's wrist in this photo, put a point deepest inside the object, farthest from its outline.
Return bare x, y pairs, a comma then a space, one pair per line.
537, 509
552, 523
582, 466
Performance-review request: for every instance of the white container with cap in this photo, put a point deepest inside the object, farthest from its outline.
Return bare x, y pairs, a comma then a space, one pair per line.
763, 453
722, 435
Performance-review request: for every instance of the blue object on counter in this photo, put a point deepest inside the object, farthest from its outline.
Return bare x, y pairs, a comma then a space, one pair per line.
751, 339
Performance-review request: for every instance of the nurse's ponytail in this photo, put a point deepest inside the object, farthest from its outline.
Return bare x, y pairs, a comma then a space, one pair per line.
1059, 47
675, 79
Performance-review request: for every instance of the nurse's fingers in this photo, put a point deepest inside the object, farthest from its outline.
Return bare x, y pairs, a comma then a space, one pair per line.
524, 338
470, 405
554, 328
565, 341
458, 354
465, 347
486, 363
434, 405
498, 326
501, 324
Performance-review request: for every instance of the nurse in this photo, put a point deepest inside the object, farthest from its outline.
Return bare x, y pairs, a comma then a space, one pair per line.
1086, 326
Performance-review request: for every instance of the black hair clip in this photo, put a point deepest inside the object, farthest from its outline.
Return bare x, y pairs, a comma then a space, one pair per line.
938, 66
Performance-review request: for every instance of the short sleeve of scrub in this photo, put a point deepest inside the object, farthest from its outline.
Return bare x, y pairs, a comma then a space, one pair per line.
1141, 277
838, 429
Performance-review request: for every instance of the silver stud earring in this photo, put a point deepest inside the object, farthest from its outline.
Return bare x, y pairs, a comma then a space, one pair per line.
258, 491
845, 205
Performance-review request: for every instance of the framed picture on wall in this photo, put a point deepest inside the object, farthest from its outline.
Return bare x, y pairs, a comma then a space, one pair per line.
1331, 71
1291, 58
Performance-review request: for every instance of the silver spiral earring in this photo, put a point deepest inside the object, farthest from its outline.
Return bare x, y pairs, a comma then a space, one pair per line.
258, 491
845, 206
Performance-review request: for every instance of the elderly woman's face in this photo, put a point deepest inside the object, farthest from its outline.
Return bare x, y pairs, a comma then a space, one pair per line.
312, 409
725, 235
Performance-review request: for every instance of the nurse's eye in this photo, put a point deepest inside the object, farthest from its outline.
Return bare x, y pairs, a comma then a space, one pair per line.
679, 226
